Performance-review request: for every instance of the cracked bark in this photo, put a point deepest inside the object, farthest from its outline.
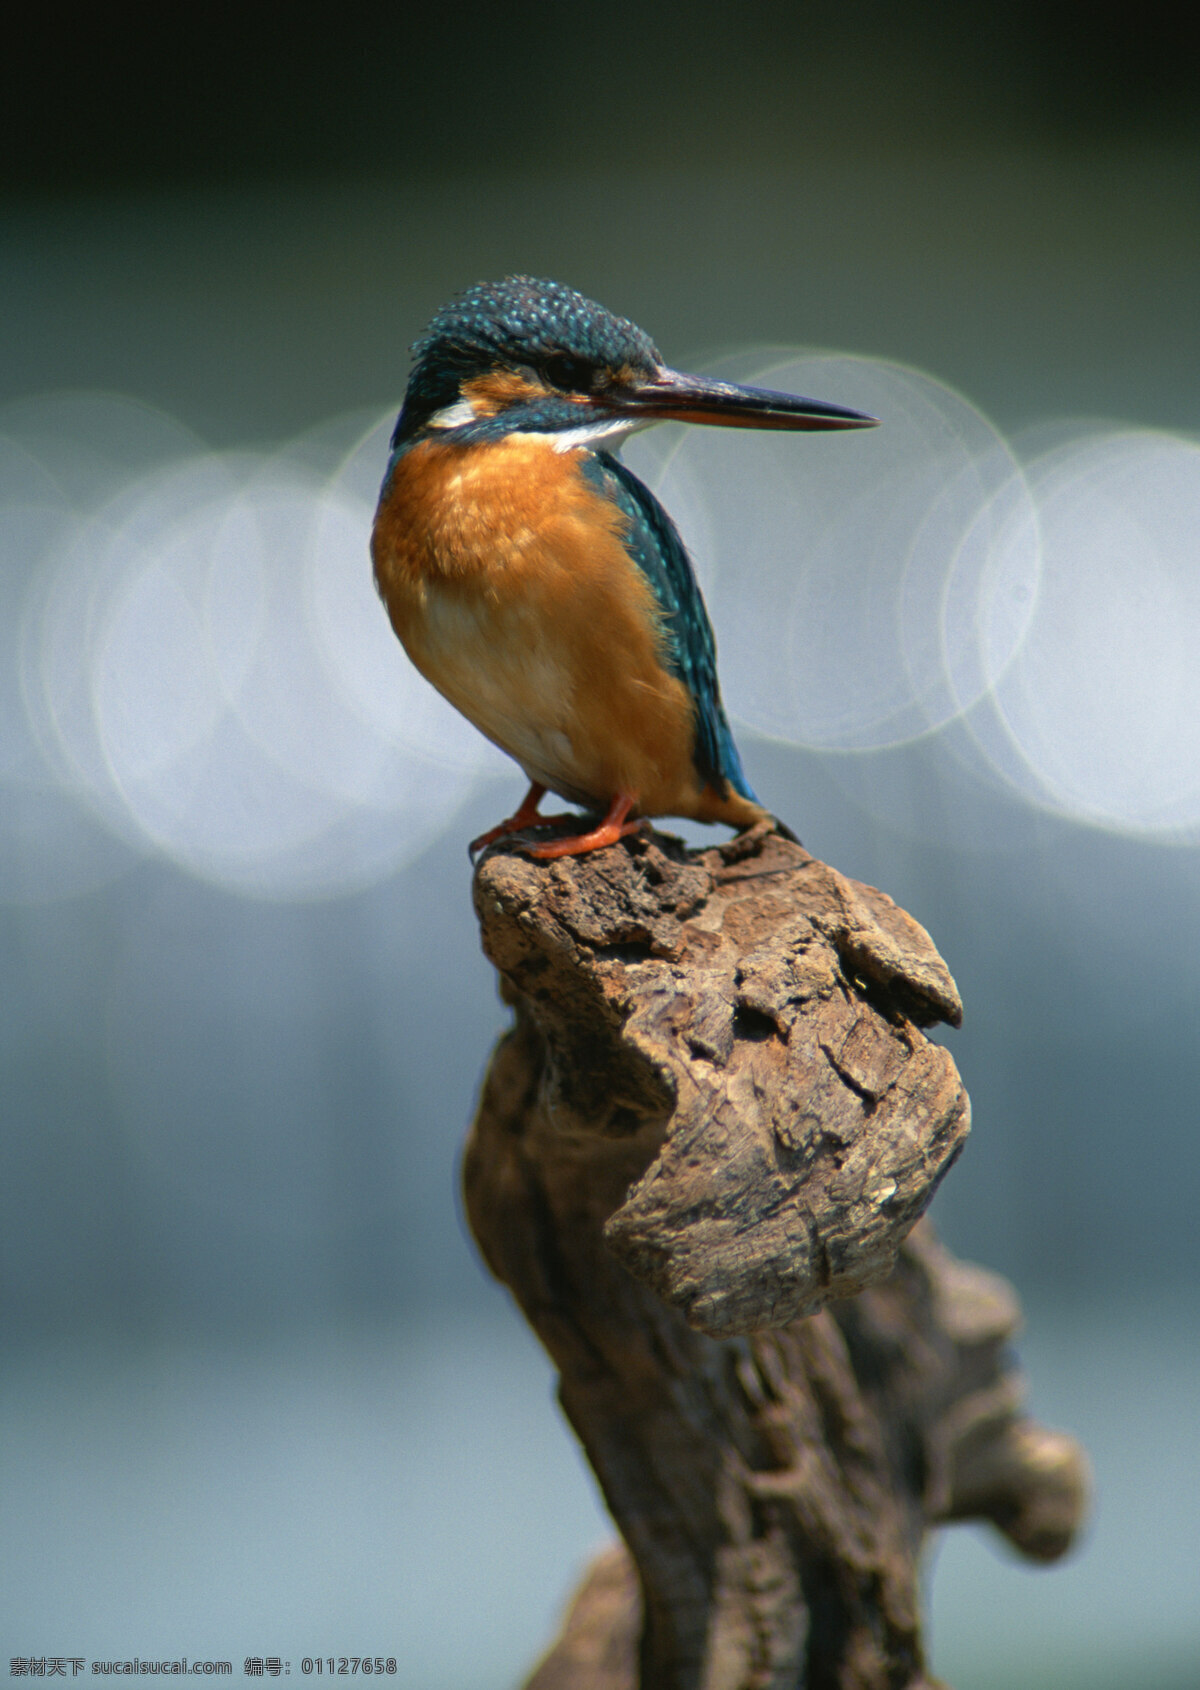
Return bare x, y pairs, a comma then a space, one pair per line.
700, 1162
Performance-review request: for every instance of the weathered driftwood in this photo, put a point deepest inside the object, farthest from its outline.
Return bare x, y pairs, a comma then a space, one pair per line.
698, 1162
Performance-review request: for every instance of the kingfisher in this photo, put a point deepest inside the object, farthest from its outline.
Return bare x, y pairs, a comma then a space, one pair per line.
538, 584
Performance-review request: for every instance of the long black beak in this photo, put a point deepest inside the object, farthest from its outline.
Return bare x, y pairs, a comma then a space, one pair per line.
672, 397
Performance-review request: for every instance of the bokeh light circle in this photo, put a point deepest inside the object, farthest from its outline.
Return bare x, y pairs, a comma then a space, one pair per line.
866, 586
1099, 716
204, 666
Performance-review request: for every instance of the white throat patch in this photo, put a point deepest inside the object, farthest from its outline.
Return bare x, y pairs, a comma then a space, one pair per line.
603, 433
607, 434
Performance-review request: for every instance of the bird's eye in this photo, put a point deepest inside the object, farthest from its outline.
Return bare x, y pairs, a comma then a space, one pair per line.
572, 375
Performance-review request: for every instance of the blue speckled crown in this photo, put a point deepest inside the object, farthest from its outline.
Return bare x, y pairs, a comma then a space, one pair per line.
518, 320
493, 320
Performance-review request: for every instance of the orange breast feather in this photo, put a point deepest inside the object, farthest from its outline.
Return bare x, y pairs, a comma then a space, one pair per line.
506, 577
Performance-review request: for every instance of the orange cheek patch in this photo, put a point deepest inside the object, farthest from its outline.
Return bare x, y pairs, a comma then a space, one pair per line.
496, 390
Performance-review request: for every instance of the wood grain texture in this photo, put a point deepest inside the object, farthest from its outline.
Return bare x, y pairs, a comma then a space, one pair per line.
699, 1162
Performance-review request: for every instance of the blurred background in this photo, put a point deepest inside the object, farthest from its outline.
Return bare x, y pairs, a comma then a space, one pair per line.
259, 1397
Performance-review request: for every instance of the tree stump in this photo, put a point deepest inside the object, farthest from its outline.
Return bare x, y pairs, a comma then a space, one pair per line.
699, 1162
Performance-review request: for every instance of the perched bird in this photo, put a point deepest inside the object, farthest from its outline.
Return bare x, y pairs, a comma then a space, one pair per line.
537, 583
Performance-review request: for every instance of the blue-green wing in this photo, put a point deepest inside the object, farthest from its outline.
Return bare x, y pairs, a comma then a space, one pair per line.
654, 544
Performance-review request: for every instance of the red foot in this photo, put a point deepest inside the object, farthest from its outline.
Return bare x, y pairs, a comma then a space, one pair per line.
613, 827
526, 816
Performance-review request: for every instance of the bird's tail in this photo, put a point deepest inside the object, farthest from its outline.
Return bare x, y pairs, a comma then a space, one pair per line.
744, 813
782, 829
